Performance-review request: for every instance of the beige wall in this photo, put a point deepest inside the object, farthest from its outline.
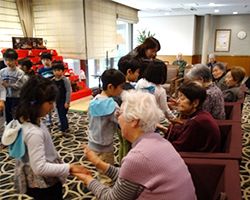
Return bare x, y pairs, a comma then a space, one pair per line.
236, 23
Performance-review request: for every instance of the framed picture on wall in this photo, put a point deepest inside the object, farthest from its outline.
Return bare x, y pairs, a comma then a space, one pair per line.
222, 40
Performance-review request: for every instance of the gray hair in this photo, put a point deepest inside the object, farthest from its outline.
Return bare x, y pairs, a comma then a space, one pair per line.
199, 72
142, 106
211, 55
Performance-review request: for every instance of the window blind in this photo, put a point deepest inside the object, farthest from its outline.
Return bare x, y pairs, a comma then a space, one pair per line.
100, 28
127, 14
10, 25
61, 24
101, 33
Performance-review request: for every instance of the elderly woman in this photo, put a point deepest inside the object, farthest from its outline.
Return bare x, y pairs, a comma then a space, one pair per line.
214, 102
152, 169
233, 81
219, 72
199, 133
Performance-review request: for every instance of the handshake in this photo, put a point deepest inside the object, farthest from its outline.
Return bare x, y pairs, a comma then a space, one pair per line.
80, 171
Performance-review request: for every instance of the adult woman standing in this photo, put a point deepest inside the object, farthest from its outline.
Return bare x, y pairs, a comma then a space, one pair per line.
145, 52
145, 173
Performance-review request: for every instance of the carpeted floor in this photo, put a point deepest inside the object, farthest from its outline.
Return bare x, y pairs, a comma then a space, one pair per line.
70, 150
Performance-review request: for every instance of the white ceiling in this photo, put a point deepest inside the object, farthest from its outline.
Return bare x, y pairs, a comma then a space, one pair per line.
188, 7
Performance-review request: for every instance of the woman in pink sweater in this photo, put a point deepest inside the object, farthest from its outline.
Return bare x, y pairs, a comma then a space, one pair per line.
152, 169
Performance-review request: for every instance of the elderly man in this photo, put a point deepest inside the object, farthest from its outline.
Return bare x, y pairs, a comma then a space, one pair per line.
181, 63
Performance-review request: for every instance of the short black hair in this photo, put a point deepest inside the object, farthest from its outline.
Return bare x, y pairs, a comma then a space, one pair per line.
193, 91
10, 54
128, 62
112, 76
25, 62
156, 72
58, 65
46, 55
34, 93
221, 66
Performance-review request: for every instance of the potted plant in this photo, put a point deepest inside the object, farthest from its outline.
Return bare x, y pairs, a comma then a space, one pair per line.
143, 35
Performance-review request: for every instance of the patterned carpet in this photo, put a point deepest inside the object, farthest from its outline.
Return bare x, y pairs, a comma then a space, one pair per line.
70, 150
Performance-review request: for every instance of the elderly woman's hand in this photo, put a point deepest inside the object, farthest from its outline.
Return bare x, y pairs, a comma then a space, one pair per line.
74, 168
177, 121
84, 177
91, 156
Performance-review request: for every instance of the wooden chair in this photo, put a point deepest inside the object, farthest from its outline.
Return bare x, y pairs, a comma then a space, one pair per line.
233, 111
215, 179
231, 143
172, 72
178, 81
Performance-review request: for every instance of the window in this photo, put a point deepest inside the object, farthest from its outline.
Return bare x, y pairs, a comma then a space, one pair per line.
10, 25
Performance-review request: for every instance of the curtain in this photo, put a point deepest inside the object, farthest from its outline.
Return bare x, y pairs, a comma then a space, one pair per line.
10, 25
24, 8
61, 24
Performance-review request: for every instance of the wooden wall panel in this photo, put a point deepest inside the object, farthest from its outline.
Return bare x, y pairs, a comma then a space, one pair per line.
172, 58
243, 61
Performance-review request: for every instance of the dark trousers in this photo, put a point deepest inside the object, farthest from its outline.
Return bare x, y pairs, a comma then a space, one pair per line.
51, 193
10, 108
62, 112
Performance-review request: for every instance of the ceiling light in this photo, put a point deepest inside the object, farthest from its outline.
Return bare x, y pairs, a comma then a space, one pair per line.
211, 4
235, 13
216, 10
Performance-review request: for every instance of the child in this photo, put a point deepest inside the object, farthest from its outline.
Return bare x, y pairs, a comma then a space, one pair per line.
155, 75
63, 98
130, 67
12, 80
39, 172
2, 97
25, 65
102, 116
46, 71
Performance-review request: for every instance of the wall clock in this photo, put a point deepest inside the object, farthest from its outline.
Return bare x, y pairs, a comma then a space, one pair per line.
241, 35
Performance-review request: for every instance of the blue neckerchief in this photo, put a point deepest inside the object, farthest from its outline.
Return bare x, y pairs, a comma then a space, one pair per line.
17, 148
102, 107
150, 89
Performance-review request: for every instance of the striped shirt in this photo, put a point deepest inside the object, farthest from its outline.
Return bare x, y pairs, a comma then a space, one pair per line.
123, 189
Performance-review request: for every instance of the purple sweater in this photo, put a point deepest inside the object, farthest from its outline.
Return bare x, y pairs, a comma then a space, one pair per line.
155, 164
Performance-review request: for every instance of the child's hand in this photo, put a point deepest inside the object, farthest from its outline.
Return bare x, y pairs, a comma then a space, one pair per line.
1, 105
79, 169
162, 128
66, 105
118, 112
91, 156
5, 84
